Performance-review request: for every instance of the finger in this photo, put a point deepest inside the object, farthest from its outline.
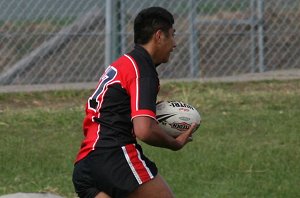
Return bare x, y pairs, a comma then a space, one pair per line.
191, 129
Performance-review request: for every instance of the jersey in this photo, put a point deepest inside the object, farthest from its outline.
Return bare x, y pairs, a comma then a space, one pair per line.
127, 89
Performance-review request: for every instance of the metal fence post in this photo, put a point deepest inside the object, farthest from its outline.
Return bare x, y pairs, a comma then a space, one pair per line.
123, 26
117, 13
108, 31
253, 43
113, 33
260, 13
193, 41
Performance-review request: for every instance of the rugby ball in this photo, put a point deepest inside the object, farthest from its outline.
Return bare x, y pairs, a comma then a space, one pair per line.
176, 116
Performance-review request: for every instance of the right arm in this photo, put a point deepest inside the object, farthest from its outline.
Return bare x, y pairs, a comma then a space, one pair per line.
147, 130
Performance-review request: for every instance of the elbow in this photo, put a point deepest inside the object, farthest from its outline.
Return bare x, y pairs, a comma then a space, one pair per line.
143, 134
144, 128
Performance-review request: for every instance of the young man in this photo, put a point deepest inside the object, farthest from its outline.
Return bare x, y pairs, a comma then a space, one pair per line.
110, 162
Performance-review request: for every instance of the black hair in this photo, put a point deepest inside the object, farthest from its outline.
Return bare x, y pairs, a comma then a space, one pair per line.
148, 21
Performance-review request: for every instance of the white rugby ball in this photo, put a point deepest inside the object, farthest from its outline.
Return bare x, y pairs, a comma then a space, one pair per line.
176, 116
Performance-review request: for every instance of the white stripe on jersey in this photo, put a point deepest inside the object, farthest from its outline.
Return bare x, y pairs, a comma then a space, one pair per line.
137, 82
98, 110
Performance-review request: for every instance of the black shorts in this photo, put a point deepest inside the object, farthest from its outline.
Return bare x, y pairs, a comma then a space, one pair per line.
115, 171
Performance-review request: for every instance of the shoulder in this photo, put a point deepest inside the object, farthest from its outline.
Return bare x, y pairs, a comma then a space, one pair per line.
142, 63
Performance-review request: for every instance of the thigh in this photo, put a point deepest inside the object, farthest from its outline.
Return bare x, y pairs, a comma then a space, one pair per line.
155, 188
83, 182
120, 171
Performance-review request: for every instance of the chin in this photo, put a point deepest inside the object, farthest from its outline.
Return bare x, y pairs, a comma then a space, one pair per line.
165, 60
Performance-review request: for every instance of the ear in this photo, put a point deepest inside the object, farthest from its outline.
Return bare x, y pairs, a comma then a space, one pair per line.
158, 35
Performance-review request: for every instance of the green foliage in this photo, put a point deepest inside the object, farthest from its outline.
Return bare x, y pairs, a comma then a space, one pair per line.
248, 144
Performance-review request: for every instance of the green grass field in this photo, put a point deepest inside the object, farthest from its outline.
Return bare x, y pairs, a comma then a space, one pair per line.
247, 146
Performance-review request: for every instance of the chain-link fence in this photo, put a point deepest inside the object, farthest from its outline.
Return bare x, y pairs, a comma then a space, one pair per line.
65, 41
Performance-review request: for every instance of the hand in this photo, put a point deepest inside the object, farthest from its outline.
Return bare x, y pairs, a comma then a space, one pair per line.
185, 137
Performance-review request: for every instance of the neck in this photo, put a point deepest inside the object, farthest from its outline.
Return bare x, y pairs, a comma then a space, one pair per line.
152, 52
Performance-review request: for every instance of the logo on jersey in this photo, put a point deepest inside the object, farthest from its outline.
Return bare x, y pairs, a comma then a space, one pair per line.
108, 76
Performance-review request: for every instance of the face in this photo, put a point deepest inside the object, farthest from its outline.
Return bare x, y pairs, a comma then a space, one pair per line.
166, 45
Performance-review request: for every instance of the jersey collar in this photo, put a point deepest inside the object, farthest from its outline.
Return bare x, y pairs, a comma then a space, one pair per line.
145, 54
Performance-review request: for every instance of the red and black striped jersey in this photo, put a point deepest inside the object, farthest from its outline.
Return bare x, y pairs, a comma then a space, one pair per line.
127, 89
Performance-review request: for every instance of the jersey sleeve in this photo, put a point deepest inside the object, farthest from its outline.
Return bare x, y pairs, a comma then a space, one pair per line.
143, 95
